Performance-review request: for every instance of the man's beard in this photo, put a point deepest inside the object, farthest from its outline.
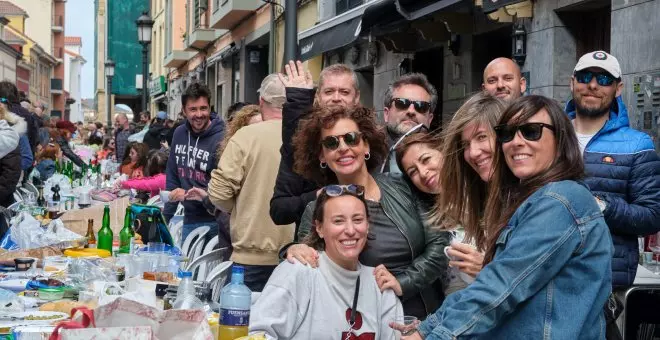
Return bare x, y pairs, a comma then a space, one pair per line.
593, 112
398, 130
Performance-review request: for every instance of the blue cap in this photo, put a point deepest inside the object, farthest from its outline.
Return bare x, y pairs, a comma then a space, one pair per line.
186, 274
237, 269
161, 115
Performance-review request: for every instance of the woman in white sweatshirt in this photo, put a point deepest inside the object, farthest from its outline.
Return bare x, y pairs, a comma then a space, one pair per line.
338, 300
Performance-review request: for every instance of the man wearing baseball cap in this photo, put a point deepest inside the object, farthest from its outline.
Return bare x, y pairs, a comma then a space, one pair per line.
243, 184
622, 166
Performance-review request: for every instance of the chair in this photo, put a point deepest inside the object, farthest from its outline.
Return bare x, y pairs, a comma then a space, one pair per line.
154, 200
202, 263
210, 244
17, 196
217, 278
194, 235
197, 247
31, 188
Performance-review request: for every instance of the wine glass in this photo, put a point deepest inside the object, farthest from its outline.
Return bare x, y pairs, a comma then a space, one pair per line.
654, 245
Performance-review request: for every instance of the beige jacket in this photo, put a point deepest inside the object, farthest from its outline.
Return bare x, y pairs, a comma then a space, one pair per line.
243, 184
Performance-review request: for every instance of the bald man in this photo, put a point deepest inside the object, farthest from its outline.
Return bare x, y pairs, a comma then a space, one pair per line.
503, 79
122, 132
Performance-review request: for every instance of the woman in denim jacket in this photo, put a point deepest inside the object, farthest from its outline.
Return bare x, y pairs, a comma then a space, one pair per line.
549, 250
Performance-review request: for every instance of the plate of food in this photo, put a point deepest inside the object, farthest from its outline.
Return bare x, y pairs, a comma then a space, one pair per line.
35, 317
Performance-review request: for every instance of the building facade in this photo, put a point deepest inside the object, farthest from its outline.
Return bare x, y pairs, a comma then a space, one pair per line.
37, 63
451, 42
74, 61
9, 54
116, 38
157, 69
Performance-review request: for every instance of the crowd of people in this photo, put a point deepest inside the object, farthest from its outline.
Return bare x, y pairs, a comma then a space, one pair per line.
491, 227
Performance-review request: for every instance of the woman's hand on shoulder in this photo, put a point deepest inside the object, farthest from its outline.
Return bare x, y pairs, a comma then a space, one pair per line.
466, 258
304, 254
386, 280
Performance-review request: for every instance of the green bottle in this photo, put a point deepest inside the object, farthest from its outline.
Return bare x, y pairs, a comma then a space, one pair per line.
126, 234
57, 166
105, 236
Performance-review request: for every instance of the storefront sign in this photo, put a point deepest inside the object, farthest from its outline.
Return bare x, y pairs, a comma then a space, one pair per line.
157, 86
494, 5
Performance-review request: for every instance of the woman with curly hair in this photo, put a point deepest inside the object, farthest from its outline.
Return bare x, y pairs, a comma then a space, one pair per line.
247, 115
343, 146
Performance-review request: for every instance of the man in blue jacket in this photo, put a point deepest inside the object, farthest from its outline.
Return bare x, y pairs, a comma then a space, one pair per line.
622, 166
192, 158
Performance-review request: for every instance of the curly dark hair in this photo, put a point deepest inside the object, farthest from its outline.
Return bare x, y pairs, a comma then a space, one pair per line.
313, 239
307, 140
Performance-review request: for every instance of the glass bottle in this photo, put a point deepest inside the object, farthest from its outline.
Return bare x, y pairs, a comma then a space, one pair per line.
91, 238
126, 234
105, 233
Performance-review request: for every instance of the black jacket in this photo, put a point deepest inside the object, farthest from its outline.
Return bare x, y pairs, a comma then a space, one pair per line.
404, 207
154, 135
66, 150
292, 192
10, 172
32, 123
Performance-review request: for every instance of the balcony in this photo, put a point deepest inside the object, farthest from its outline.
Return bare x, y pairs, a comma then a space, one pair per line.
58, 23
177, 58
56, 86
200, 37
228, 13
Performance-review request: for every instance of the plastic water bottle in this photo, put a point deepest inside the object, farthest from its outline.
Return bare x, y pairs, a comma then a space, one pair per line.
185, 295
235, 301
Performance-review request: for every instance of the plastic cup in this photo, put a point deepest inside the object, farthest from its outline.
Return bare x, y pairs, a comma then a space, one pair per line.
407, 324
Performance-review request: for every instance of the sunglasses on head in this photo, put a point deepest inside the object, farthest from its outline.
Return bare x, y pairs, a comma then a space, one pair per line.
332, 142
602, 78
529, 131
335, 190
419, 105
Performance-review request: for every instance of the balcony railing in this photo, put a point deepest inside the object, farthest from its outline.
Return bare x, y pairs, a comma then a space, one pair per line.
56, 85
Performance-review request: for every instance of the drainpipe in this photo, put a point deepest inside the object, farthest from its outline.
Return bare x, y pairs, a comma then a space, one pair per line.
271, 50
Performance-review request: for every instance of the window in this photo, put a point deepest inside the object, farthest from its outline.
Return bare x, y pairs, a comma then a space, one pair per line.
345, 5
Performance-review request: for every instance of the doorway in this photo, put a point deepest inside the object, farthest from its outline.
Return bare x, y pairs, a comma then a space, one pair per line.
430, 63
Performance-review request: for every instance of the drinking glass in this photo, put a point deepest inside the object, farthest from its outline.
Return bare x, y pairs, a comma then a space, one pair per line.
407, 323
655, 248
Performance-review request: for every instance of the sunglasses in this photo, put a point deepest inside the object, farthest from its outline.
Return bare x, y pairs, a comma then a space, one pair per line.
332, 142
335, 190
530, 131
420, 105
603, 79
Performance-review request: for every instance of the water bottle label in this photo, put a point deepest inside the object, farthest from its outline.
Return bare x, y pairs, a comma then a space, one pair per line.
234, 317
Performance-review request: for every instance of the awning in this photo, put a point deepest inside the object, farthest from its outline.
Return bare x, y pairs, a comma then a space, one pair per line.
391, 11
330, 39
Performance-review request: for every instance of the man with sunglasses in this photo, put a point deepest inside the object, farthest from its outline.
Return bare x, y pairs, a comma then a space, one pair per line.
622, 166
409, 102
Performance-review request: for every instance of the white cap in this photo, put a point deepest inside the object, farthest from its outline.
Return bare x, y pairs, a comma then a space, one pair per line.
600, 59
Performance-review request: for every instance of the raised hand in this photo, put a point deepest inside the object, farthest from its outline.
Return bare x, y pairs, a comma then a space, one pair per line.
296, 76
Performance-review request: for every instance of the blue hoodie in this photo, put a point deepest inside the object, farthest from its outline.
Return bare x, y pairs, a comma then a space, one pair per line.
623, 169
191, 160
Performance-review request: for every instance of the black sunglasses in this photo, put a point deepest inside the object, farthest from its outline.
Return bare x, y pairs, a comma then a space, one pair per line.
332, 142
420, 105
530, 131
603, 79
335, 190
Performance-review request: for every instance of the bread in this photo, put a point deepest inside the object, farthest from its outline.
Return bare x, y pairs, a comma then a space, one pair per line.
64, 306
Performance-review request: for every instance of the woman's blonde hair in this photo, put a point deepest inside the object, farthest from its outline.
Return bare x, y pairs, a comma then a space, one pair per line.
464, 194
241, 119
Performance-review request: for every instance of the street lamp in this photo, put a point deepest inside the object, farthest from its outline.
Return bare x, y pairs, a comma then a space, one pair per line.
519, 44
144, 25
109, 73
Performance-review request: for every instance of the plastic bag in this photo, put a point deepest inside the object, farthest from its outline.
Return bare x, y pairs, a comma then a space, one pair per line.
111, 291
138, 137
27, 232
82, 272
9, 302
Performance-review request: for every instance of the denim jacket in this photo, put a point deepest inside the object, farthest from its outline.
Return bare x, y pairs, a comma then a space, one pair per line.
549, 279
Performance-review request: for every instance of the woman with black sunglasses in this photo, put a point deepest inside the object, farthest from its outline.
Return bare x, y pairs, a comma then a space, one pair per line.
549, 249
345, 146
340, 299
